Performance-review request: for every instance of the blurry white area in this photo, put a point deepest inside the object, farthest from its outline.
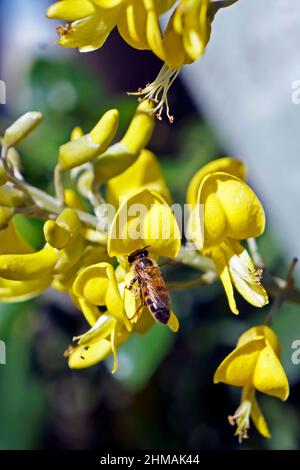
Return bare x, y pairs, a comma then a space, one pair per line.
244, 87
28, 35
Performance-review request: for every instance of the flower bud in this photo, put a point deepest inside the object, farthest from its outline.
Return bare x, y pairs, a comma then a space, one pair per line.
60, 232
21, 128
76, 133
88, 147
140, 129
123, 154
57, 236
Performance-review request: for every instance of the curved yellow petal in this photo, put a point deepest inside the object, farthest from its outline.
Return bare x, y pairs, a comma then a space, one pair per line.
258, 419
261, 330
87, 356
269, 376
245, 277
144, 219
19, 291
88, 147
173, 323
21, 128
92, 283
231, 209
223, 271
70, 10
12, 243
238, 367
132, 25
225, 164
22, 267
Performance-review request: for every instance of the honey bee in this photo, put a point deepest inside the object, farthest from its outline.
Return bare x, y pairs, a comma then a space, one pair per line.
152, 288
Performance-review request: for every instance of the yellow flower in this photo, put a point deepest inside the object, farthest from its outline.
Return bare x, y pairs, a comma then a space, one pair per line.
184, 40
24, 273
144, 219
187, 33
254, 365
225, 211
19, 287
99, 285
91, 21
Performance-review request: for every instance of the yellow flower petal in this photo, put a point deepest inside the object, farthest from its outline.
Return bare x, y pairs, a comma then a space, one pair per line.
219, 259
21, 128
12, 243
19, 291
226, 164
258, 419
173, 323
238, 367
70, 10
231, 209
261, 330
87, 356
245, 277
20, 267
144, 219
132, 25
269, 376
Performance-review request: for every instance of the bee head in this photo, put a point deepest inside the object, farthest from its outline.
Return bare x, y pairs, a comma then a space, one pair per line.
138, 254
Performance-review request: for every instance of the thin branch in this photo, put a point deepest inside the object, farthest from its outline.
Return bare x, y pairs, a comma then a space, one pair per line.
208, 278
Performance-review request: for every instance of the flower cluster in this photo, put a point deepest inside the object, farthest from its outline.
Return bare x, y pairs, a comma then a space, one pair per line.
93, 257
89, 23
111, 219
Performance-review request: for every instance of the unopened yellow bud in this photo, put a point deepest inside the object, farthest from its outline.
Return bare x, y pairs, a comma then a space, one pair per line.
76, 133
19, 267
124, 153
140, 129
14, 158
21, 128
60, 232
105, 130
69, 220
57, 236
6, 214
3, 176
86, 148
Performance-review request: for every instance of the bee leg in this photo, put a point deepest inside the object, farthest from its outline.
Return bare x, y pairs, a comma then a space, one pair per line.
132, 282
137, 310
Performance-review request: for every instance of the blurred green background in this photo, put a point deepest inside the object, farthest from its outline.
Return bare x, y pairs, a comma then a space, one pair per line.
162, 396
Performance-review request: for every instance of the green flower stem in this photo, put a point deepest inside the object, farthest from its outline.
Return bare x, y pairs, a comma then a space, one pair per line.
193, 259
208, 278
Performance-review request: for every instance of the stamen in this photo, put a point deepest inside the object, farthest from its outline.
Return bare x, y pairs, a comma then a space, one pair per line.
64, 30
157, 92
241, 419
